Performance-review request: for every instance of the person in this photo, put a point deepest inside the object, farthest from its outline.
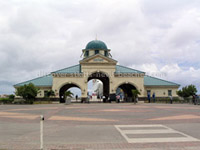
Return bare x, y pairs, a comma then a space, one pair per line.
76, 97
88, 97
193, 99
118, 98
197, 100
136, 100
149, 97
154, 97
171, 99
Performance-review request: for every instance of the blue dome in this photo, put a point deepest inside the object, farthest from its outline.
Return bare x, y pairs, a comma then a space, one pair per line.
96, 45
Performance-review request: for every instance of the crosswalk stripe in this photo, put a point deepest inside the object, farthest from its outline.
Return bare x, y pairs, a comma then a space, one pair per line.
135, 130
146, 131
155, 140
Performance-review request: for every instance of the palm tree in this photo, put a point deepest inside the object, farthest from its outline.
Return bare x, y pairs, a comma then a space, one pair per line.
68, 94
135, 94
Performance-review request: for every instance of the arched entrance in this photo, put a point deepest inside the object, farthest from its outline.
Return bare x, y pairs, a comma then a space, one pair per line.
64, 88
104, 79
126, 88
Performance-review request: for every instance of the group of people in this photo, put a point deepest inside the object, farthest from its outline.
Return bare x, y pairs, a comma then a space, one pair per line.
149, 97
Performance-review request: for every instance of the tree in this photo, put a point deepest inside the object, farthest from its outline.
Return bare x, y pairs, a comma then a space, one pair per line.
68, 94
28, 92
187, 91
135, 94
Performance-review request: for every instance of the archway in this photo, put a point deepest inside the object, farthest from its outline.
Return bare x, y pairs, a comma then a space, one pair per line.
64, 88
104, 79
126, 89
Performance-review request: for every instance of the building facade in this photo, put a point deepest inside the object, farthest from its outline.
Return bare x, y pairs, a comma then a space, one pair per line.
97, 63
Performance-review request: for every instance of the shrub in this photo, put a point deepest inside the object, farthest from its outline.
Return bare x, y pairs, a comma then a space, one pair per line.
6, 100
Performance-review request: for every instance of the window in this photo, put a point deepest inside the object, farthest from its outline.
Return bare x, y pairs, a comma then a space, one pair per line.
96, 52
169, 92
86, 53
106, 53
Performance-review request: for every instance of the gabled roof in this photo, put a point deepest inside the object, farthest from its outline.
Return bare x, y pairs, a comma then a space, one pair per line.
72, 69
41, 81
47, 80
123, 69
152, 81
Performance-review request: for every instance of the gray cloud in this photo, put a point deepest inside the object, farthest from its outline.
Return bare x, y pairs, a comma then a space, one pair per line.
37, 37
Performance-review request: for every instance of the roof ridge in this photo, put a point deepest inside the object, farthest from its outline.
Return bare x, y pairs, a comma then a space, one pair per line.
65, 68
33, 79
162, 80
130, 68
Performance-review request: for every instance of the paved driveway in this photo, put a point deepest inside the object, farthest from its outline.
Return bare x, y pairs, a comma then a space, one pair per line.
101, 126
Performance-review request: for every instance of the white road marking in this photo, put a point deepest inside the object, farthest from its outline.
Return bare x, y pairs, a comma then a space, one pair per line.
129, 130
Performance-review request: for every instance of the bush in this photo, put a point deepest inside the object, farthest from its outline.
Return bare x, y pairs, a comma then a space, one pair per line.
11, 97
167, 100
6, 100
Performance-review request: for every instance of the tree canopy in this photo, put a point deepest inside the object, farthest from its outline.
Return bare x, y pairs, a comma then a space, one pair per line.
135, 94
28, 91
187, 91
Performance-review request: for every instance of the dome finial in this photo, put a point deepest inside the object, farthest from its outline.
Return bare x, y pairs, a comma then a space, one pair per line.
96, 37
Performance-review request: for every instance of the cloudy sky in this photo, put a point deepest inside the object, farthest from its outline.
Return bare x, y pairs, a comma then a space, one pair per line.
159, 37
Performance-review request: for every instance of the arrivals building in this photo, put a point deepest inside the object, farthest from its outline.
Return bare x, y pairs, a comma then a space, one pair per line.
97, 63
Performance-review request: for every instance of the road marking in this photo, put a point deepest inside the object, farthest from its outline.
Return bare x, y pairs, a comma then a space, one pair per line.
64, 118
113, 110
40, 108
18, 115
177, 117
31, 117
145, 135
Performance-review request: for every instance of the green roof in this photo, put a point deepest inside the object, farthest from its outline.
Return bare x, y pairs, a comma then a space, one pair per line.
46, 81
72, 69
152, 81
123, 69
96, 45
41, 81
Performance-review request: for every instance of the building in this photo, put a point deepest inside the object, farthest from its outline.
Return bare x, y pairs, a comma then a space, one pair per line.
97, 63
